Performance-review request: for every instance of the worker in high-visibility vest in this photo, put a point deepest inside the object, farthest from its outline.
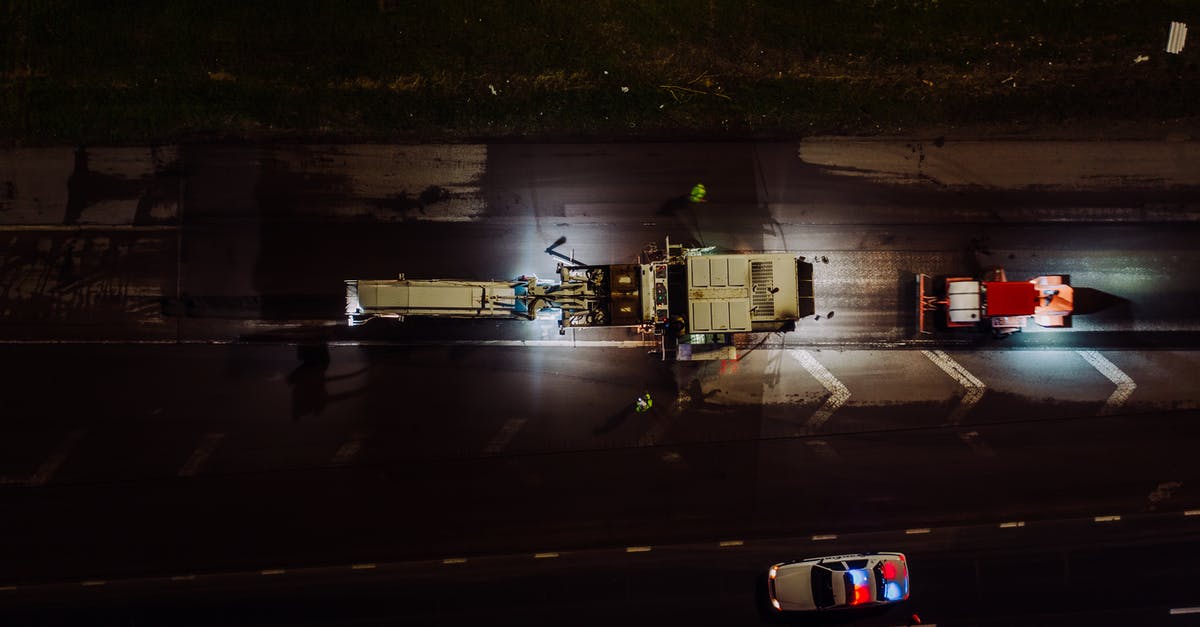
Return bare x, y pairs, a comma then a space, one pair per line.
643, 403
698, 193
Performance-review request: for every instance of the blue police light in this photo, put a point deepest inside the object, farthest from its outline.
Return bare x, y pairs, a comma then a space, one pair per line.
892, 592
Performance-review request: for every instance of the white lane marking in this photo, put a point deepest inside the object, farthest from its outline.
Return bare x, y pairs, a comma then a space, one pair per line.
1175, 611
46, 471
829, 536
83, 228
977, 444
207, 445
504, 436
1012, 525
455, 560
542, 556
346, 452
1107, 518
637, 549
838, 394
1125, 385
728, 543
913, 532
823, 450
974, 387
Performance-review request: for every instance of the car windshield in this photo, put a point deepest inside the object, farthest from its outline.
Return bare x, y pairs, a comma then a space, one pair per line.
822, 586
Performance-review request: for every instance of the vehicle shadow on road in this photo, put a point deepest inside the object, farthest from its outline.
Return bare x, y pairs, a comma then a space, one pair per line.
614, 420
308, 381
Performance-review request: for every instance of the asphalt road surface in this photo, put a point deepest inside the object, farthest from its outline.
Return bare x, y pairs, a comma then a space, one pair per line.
189, 430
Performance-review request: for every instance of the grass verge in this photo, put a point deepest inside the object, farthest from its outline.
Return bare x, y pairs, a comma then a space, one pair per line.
170, 70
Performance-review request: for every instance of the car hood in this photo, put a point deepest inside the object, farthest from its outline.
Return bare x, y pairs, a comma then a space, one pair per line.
793, 587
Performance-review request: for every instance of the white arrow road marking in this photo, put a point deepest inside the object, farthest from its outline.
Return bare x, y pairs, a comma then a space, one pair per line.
207, 445
1125, 385
46, 471
974, 387
349, 448
974, 392
505, 435
838, 394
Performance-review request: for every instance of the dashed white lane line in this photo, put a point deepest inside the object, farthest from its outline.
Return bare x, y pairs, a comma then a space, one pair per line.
838, 394
504, 436
1125, 385
46, 471
349, 449
207, 445
974, 387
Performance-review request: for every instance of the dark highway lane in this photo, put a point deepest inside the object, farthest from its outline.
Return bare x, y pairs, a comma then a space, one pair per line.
167, 459
1135, 571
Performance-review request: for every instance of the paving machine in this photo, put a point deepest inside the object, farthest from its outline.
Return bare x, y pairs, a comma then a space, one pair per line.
692, 299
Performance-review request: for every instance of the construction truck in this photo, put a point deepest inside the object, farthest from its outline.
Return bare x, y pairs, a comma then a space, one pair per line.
994, 302
691, 299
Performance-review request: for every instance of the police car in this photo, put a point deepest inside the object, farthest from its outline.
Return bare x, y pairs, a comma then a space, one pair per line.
838, 582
